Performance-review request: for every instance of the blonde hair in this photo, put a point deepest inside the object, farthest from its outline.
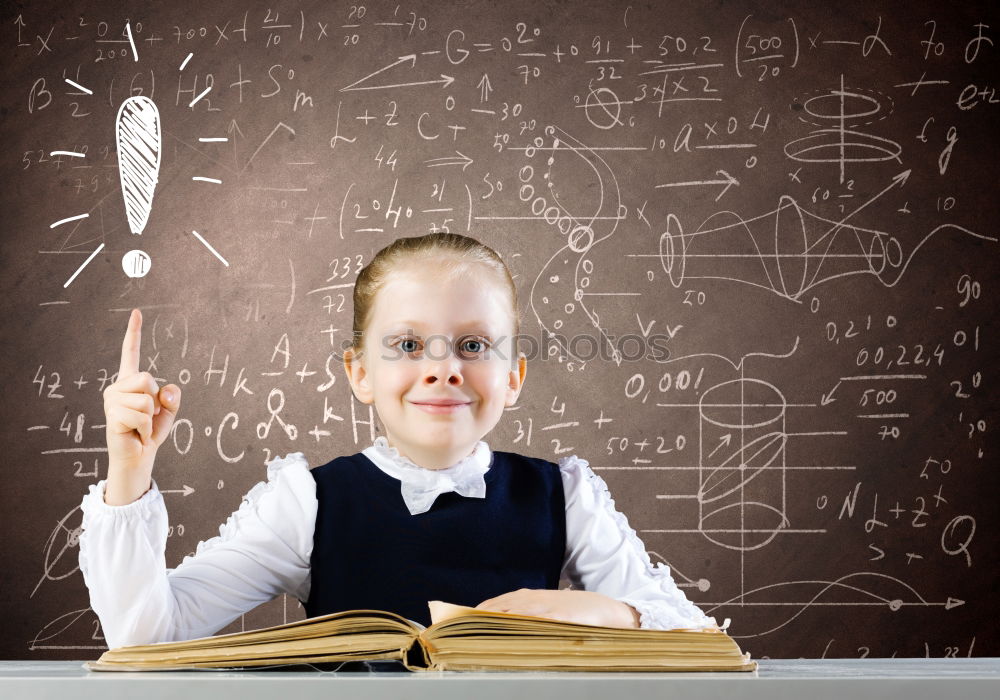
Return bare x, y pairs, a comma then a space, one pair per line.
452, 254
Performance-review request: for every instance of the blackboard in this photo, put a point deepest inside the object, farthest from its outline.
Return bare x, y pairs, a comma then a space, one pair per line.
755, 245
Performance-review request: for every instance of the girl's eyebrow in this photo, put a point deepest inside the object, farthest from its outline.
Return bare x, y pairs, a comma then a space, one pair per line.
412, 325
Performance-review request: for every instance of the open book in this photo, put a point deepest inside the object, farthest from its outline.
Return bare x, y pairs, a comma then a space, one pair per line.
459, 639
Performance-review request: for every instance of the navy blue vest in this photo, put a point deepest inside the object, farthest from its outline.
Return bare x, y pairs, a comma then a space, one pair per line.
369, 552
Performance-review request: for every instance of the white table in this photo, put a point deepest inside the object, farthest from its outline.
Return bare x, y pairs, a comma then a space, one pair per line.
840, 679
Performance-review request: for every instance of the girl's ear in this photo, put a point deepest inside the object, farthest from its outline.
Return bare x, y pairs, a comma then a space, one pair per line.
515, 379
357, 375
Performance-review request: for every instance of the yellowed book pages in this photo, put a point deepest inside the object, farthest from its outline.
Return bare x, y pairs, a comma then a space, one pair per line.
459, 638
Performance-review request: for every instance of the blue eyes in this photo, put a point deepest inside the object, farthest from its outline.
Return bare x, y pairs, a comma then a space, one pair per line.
412, 345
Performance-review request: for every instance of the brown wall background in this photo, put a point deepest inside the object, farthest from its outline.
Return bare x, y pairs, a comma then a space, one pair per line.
755, 245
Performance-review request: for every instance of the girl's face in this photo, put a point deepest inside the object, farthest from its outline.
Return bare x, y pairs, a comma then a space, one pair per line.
432, 338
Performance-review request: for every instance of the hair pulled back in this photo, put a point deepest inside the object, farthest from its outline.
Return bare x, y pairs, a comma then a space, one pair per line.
450, 253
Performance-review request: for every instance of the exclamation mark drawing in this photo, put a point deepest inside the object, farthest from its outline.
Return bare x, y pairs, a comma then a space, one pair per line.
137, 133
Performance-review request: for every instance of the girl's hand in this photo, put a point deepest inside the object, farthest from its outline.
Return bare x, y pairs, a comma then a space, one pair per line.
138, 416
583, 607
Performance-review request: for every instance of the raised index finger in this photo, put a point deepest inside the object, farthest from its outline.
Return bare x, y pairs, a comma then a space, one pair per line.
130, 346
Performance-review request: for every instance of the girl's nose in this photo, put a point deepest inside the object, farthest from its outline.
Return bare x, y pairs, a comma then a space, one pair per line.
452, 378
448, 371
442, 365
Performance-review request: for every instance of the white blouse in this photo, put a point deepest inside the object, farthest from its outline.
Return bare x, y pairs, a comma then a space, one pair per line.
263, 550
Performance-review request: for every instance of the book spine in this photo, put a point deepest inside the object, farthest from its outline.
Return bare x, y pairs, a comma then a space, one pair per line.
416, 657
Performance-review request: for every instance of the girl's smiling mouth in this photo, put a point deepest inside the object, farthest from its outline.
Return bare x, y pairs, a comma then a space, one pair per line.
440, 406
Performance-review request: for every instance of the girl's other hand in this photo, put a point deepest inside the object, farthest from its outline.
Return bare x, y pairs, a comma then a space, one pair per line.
138, 418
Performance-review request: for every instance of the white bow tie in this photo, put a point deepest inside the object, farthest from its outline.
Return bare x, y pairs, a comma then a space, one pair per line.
420, 487
419, 497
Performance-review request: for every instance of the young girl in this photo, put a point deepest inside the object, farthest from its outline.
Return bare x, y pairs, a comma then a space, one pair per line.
428, 512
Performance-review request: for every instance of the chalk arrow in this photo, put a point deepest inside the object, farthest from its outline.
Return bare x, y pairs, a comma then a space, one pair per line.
728, 181
726, 439
484, 88
445, 80
234, 130
187, 490
828, 397
897, 181
462, 160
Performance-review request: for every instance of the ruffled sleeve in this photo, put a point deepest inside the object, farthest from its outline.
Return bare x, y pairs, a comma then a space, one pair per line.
604, 554
261, 551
